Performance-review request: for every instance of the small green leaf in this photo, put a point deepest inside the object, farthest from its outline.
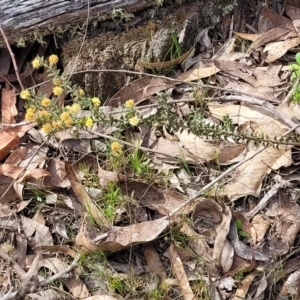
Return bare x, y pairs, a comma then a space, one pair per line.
238, 224
243, 233
294, 67
297, 56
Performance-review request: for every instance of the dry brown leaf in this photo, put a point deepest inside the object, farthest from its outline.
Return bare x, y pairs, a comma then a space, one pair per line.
48, 294
241, 249
106, 177
60, 248
58, 176
294, 12
196, 147
269, 19
287, 225
161, 201
276, 50
197, 243
198, 72
290, 288
76, 287
248, 36
244, 286
8, 109
247, 178
230, 152
221, 234
241, 114
153, 261
84, 198
226, 258
180, 274
246, 226
20, 173
261, 225
123, 237
38, 233
9, 138
255, 76
139, 89
241, 265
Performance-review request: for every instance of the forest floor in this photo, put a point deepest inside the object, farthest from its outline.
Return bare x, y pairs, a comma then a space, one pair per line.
180, 184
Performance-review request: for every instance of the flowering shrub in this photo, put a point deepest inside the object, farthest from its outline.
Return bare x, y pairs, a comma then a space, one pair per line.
81, 111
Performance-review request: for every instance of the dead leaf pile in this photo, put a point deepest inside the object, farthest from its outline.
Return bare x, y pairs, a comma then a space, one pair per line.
200, 216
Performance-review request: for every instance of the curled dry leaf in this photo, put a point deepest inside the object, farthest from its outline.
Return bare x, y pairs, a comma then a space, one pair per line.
197, 243
180, 274
244, 286
153, 261
241, 249
123, 237
10, 138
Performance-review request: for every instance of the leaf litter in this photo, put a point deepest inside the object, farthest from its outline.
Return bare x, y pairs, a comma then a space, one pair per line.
186, 213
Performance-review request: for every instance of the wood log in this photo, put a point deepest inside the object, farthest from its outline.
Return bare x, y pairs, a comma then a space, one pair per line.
19, 18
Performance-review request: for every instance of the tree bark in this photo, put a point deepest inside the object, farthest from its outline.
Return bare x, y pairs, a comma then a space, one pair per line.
21, 17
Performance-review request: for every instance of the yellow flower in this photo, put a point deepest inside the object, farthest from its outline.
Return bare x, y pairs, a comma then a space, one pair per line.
80, 92
53, 59
75, 108
89, 122
116, 148
64, 116
47, 128
134, 121
46, 102
68, 122
31, 109
36, 63
96, 101
129, 103
57, 124
57, 81
25, 94
57, 90
30, 116
43, 114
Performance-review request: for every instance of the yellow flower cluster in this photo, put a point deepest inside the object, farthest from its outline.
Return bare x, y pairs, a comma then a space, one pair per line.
89, 122
57, 81
57, 90
129, 103
25, 94
46, 102
96, 101
66, 118
53, 59
47, 128
36, 63
80, 92
51, 117
57, 124
30, 115
134, 121
43, 114
74, 108
116, 148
